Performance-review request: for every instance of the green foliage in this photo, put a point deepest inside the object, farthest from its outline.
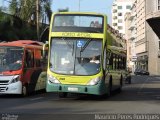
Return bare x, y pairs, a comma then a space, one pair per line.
21, 24
13, 28
26, 9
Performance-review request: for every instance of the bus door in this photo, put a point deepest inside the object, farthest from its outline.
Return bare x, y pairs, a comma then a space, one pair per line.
29, 69
39, 70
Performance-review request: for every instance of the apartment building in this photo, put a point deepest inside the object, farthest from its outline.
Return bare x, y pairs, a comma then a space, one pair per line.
147, 44
119, 9
153, 14
130, 35
138, 35
127, 37
143, 43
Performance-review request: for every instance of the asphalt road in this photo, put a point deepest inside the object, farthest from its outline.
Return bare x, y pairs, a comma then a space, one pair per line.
140, 97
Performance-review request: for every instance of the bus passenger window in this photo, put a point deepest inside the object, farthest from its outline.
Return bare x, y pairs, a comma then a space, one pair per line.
111, 61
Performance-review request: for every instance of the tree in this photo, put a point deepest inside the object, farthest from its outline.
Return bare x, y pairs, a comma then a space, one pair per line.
26, 10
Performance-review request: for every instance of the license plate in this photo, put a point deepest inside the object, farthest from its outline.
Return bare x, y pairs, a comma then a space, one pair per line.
72, 89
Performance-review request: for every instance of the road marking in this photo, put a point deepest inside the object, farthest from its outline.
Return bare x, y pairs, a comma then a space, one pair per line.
38, 98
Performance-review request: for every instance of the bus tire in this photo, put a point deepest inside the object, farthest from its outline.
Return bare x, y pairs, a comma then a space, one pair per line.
62, 94
24, 90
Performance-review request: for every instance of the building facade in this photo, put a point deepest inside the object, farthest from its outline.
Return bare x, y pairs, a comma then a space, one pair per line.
153, 13
119, 9
130, 35
144, 44
141, 42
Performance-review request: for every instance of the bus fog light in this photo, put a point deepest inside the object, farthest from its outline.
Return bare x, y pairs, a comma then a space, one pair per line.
94, 81
52, 79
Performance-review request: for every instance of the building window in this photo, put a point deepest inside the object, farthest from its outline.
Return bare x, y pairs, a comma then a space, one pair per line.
114, 17
120, 27
119, 7
119, 14
158, 4
114, 10
120, 21
114, 24
128, 7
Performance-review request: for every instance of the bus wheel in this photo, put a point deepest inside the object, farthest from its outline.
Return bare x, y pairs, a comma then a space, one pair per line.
24, 90
62, 94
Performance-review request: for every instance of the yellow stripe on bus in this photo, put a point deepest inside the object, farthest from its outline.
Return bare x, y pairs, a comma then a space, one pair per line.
75, 34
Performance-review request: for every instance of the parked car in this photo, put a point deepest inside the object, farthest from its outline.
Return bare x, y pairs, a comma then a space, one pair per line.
141, 72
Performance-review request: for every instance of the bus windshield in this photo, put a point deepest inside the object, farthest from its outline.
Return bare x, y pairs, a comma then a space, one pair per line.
75, 56
78, 23
10, 58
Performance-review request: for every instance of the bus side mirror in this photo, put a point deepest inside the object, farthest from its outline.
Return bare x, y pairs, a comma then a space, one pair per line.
45, 50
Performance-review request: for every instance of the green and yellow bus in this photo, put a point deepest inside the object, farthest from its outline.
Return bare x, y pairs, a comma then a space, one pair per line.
79, 59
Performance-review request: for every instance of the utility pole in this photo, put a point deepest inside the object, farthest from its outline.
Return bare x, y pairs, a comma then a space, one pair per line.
37, 18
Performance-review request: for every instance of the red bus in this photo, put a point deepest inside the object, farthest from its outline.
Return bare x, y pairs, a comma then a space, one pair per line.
22, 69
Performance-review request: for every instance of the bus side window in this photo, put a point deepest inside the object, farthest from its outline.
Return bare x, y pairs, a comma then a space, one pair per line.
114, 62
111, 61
29, 59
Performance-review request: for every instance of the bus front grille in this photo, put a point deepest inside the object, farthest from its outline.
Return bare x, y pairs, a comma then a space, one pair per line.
3, 89
4, 82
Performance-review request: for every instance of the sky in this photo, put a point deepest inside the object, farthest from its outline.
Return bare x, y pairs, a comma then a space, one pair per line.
98, 6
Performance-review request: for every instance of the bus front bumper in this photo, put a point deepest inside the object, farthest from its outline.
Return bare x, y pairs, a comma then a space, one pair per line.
98, 89
14, 88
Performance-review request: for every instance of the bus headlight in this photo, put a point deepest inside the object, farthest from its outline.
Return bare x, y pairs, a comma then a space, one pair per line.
94, 81
52, 79
15, 79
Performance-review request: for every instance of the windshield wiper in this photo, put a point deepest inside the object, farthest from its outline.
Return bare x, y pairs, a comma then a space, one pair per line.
84, 47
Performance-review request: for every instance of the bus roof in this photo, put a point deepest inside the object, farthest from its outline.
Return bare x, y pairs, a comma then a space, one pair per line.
117, 50
81, 13
21, 43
